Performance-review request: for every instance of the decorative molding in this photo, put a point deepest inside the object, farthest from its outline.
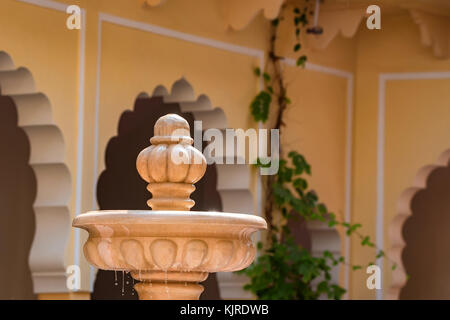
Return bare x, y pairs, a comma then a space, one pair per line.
434, 31
237, 13
153, 253
54, 186
404, 211
154, 3
334, 22
433, 21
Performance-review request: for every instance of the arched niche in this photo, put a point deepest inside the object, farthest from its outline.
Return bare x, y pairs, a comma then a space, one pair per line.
420, 236
17, 194
52, 177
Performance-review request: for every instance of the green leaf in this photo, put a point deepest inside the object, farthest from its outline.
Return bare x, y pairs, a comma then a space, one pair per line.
301, 61
300, 183
303, 19
259, 107
275, 22
257, 71
266, 77
394, 266
332, 223
297, 47
365, 241
322, 208
356, 267
352, 228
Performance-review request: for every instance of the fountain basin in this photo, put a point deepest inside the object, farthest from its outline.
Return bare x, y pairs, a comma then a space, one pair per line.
169, 251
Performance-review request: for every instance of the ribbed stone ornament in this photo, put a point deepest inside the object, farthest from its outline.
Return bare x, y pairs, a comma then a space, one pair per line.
171, 165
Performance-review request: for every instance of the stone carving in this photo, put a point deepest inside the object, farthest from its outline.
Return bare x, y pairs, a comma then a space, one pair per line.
171, 164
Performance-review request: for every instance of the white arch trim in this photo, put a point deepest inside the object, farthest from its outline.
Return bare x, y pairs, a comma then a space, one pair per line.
404, 211
51, 206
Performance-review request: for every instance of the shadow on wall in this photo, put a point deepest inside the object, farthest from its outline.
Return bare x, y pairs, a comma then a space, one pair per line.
426, 256
120, 187
17, 195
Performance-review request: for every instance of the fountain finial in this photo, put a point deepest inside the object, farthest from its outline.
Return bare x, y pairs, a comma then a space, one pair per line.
171, 165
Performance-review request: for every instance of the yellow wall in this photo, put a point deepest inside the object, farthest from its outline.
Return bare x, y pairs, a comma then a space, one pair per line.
416, 126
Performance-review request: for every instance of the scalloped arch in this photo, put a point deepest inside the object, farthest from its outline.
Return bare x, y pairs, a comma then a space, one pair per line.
404, 211
51, 206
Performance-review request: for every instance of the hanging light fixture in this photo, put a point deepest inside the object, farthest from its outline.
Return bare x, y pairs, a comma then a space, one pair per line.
315, 29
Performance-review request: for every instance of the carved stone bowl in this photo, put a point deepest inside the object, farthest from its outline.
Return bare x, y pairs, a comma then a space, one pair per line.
169, 252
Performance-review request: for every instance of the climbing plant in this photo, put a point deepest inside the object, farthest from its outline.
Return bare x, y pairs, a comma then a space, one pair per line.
284, 269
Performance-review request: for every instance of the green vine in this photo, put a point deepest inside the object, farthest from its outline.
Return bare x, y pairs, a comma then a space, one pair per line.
284, 269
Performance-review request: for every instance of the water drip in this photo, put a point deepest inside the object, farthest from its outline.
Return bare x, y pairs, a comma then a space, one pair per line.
165, 283
123, 282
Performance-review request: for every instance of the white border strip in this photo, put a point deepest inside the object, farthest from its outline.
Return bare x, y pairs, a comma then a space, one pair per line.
380, 174
80, 134
49, 4
382, 79
181, 35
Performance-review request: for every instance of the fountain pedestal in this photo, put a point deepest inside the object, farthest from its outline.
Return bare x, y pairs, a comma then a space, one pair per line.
169, 249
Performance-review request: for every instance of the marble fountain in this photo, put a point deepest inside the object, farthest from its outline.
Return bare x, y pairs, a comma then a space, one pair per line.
169, 249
